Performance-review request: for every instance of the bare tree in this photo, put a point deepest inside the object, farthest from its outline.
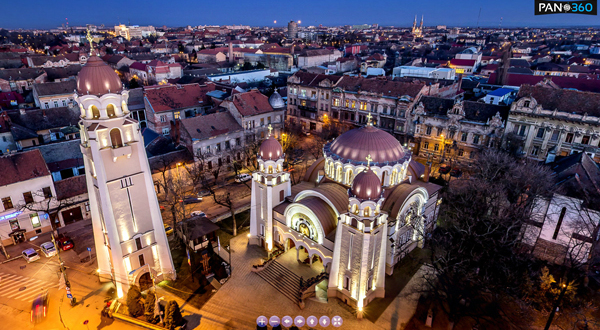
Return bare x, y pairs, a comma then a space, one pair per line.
49, 205
173, 185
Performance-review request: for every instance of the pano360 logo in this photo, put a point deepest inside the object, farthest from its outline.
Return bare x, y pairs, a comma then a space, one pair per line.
544, 7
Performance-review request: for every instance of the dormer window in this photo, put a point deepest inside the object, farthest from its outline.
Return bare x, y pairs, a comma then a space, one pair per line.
526, 104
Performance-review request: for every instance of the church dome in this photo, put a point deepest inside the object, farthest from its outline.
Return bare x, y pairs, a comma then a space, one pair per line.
366, 185
270, 149
97, 78
276, 101
357, 144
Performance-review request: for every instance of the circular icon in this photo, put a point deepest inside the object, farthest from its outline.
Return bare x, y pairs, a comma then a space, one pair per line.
567, 7
324, 321
299, 321
312, 321
274, 321
287, 321
262, 321
336, 321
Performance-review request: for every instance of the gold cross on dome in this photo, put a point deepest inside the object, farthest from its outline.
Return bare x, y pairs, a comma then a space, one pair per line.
90, 39
369, 160
270, 128
369, 117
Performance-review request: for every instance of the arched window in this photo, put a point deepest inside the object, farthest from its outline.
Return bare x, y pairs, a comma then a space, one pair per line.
355, 208
339, 173
270, 169
115, 138
394, 174
95, 112
354, 223
367, 212
110, 111
349, 176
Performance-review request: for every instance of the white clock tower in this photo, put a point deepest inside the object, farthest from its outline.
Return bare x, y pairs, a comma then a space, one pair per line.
130, 240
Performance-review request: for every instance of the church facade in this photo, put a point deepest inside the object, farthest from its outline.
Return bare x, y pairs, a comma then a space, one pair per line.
130, 241
359, 210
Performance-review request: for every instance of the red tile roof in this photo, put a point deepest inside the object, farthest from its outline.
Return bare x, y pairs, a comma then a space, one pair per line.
563, 99
460, 62
70, 187
252, 103
582, 84
171, 97
204, 127
22, 166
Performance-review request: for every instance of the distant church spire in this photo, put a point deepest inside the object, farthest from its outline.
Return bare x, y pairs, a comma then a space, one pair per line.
421, 23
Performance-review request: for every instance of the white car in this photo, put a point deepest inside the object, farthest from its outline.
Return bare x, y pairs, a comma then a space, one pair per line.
243, 177
198, 213
48, 249
30, 255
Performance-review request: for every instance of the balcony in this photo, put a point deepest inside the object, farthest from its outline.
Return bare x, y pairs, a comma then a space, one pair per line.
302, 97
122, 151
307, 108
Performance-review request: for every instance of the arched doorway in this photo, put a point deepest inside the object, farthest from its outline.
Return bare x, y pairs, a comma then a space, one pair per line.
145, 281
289, 244
115, 138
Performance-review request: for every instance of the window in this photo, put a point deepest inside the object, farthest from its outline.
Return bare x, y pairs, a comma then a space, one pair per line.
475, 139
281, 196
166, 130
555, 135
269, 120
142, 262
522, 130
439, 131
327, 96
569, 138
115, 138
163, 118
303, 92
559, 223
87, 206
176, 115
47, 192
336, 102
14, 225
56, 104
362, 106
425, 145
464, 136
138, 243
540, 133
227, 145
436, 147
526, 104
451, 134
461, 152
313, 95
402, 113
46, 105
35, 220
535, 150
95, 112
238, 142
585, 139
346, 283
428, 130
218, 147
262, 122
28, 197
353, 104
7, 202
110, 111
347, 103
64, 102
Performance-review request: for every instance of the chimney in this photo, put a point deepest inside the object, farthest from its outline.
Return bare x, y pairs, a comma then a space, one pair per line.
231, 59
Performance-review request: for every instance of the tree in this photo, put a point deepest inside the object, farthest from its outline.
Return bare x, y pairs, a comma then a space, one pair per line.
133, 83
48, 204
475, 252
134, 301
173, 185
173, 317
149, 303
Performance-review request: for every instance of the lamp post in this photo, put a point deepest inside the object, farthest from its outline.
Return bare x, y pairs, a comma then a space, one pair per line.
555, 306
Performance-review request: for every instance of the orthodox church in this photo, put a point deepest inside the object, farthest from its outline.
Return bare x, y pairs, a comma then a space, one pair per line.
359, 210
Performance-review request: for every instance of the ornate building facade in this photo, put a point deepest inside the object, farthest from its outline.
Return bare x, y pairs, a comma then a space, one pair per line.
130, 240
359, 210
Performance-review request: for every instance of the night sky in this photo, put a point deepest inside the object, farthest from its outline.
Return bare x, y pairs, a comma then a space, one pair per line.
49, 14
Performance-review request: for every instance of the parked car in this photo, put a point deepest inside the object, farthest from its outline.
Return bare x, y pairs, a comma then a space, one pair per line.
30, 255
168, 229
297, 160
39, 308
203, 193
445, 169
192, 198
198, 213
243, 177
65, 242
48, 249
456, 172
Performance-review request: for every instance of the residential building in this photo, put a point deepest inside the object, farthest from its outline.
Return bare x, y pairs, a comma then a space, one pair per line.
21, 79
500, 96
171, 102
160, 72
24, 180
447, 130
74, 196
466, 67
423, 72
54, 94
253, 111
545, 118
130, 241
565, 225
316, 57
216, 138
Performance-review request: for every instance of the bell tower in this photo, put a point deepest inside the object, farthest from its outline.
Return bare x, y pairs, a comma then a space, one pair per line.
358, 267
129, 235
270, 185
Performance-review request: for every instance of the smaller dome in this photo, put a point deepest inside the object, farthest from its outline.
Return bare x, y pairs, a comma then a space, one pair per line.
270, 149
97, 78
366, 185
276, 101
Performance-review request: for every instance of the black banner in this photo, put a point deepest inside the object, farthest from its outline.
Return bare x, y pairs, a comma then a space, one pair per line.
543, 7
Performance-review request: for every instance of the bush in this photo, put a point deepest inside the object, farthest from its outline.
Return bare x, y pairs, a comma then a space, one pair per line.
173, 315
149, 303
134, 301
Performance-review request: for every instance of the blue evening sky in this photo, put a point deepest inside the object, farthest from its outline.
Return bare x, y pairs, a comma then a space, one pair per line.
48, 14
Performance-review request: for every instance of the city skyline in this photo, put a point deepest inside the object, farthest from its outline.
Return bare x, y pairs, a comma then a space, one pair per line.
401, 14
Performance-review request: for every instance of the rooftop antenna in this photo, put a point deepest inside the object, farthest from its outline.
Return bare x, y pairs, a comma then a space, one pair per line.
478, 16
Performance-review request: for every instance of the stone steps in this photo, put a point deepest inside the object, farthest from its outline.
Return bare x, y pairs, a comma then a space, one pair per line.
282, 279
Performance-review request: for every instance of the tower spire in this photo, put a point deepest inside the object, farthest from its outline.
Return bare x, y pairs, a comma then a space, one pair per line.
415, 23
421, 23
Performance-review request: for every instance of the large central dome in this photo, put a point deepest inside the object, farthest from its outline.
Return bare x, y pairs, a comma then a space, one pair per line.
357, 144
97, 78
